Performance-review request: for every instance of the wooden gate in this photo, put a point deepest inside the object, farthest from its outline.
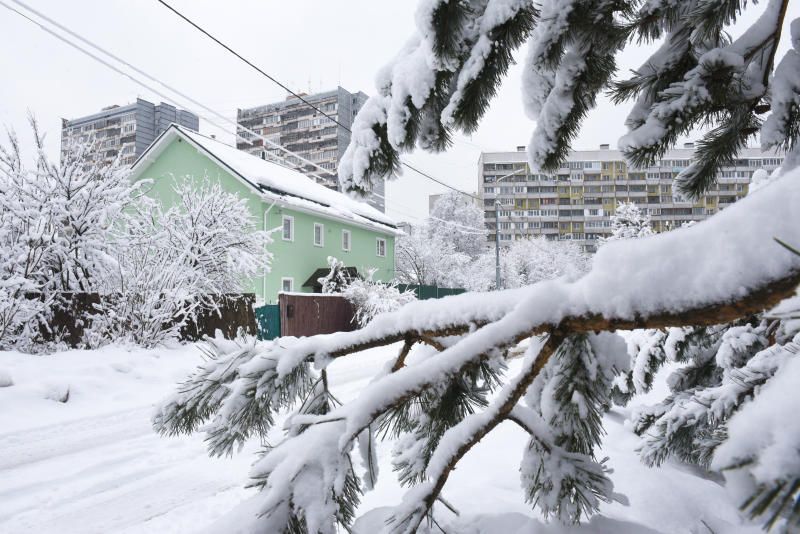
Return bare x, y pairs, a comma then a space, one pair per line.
308, 314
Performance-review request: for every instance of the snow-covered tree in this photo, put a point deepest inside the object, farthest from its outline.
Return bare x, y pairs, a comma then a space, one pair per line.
337, 278
629, 222
456, 219
444, 249
428, 258
174, 260
446, 75
527, 261
56, 222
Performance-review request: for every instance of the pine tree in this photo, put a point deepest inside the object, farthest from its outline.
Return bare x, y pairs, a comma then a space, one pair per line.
629, 222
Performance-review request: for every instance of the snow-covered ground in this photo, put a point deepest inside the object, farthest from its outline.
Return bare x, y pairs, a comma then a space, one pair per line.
94, 465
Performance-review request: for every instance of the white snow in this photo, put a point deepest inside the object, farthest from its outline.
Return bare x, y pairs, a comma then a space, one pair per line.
94, 465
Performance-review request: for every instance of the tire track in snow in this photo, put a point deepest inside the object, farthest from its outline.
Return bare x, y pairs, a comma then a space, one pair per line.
42, 443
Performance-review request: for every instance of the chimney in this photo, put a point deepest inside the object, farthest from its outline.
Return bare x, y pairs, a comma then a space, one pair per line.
688, 145
604, 146
521, 148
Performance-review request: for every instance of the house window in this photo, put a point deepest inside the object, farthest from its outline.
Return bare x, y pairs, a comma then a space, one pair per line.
346, 240
288, 228
380, 247
319, 234
287, 284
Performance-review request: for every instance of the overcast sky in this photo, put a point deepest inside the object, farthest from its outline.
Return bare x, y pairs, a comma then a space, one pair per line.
310, 45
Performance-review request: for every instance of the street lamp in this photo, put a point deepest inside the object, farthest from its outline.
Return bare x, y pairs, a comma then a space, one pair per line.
497, 207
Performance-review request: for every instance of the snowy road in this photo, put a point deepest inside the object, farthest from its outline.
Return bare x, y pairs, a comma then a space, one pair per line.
110, 473
94, 465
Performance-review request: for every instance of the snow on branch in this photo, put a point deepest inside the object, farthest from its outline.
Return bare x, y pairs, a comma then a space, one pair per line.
716, 271
443, 78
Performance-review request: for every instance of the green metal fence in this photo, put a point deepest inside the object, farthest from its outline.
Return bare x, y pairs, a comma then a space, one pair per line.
268, 318
431, 292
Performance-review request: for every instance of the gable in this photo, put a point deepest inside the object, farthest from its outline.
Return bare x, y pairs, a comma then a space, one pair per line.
268, 182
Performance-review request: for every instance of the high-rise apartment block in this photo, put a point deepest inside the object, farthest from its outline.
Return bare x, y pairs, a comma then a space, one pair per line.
126, 130
576, 203
303, 130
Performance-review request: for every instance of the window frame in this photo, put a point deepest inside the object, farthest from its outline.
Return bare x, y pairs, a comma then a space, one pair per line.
289, 218
378, 241
289, 279
349, 235
321, 227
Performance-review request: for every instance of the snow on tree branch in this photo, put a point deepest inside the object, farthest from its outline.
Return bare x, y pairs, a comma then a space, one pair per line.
444, 78
737, 270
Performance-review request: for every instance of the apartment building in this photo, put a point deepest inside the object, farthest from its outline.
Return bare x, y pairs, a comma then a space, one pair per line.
126, 130
308, 133
576, 203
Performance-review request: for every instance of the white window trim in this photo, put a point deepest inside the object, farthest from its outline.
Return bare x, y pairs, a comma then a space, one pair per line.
291, 284
377, 247
321, 235
349, 240
284, 218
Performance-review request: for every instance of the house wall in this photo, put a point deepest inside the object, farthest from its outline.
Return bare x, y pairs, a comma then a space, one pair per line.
300, 258
296, 259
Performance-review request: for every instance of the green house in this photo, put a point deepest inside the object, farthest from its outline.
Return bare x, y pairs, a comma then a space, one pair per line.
312, 221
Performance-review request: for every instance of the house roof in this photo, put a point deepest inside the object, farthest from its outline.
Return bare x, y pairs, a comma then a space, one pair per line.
273, 181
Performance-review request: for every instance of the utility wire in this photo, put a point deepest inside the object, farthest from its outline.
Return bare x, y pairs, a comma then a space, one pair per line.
293, 93
152, 78
176, 91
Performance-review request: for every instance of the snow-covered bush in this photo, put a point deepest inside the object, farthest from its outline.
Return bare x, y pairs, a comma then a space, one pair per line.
176, 260
5, 379
370, 298
54, 236
527, 261
450, 250
447, 248
337, 278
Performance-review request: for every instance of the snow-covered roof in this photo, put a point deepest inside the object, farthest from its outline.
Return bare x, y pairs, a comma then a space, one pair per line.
274, 181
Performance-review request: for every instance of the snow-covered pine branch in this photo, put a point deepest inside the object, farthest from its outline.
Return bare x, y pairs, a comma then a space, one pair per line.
445, 76
731, 278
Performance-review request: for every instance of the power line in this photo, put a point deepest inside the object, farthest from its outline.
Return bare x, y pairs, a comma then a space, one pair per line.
306, 102
152, 78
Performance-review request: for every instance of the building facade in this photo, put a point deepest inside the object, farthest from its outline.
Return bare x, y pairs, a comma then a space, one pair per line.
126, 130
576, 203
310, 222
301, 129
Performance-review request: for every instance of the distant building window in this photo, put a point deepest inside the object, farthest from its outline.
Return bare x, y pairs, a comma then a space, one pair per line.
287, 284
319, 234
381, 247
128, 128
346, 240
288, 228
